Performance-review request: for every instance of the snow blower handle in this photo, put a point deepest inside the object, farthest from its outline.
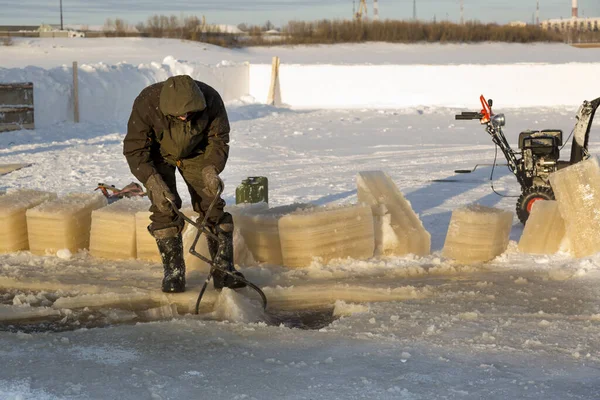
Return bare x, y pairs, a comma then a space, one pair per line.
469, 115
483, 116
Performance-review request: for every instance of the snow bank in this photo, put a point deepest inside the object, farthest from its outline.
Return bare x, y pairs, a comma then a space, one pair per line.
106, 92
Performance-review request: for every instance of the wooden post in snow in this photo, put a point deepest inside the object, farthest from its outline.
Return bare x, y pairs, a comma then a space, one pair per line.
75, 93
274, 94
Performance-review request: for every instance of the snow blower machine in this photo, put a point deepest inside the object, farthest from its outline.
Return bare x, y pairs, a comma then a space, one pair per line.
539, 151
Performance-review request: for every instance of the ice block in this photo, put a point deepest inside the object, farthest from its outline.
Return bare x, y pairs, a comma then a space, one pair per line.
63, 223
326, 233
191, 261
545, 229
145, 243
113, 229
477, 234
13, 222
260, 229
577, 191
398, 229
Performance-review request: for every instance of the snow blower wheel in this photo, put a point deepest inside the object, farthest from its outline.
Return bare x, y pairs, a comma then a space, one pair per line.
529, 197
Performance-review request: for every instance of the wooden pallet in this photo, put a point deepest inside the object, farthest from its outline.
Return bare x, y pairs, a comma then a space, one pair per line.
16, 106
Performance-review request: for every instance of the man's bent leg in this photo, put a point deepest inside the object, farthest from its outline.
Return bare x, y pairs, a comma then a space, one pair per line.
166, 228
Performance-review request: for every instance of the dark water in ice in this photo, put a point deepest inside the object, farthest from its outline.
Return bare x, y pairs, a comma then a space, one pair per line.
88, 318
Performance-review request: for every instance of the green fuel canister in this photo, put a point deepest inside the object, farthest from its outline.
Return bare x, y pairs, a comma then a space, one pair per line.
253, 189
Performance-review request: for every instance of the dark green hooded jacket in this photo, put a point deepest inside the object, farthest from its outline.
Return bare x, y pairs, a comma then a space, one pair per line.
155, 135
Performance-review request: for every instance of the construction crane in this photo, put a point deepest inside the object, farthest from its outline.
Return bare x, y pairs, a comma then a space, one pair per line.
362, 10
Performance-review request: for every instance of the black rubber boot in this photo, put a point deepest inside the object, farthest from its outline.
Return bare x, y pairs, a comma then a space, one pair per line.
171, 251
224, 259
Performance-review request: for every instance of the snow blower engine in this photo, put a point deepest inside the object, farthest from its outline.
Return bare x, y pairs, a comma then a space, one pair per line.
539, 151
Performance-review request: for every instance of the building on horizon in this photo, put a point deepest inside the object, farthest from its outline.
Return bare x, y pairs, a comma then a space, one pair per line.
42, 31
574, 23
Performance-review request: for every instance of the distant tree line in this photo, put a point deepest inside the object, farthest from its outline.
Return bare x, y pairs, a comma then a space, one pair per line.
343, 31
326, 31
582, 37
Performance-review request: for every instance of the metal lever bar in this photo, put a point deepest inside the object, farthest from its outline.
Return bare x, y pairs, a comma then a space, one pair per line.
203, 229
468, 171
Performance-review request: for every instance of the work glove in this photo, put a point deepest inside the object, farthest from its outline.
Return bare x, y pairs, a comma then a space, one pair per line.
161, 194
212, 182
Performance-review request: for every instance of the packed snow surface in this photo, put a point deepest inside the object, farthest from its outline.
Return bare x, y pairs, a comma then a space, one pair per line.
411, 328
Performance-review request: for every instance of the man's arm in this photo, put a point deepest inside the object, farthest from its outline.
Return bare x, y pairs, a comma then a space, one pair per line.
217, 150
137, 144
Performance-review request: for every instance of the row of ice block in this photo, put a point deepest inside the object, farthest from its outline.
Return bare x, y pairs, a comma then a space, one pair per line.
382, 223
479, 234
296, 234
119, 231
571, 222
84, 221
44, 223
475, 233
291, 235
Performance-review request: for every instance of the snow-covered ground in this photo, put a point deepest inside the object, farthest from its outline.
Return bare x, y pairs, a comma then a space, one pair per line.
55, 52
519, 327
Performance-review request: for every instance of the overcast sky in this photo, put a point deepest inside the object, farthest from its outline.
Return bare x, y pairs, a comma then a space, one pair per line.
95, 12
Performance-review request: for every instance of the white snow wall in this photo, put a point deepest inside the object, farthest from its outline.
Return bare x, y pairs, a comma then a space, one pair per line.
397, 86
106, 92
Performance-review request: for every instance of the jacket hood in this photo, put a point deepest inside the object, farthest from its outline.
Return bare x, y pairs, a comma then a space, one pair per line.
179, 95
